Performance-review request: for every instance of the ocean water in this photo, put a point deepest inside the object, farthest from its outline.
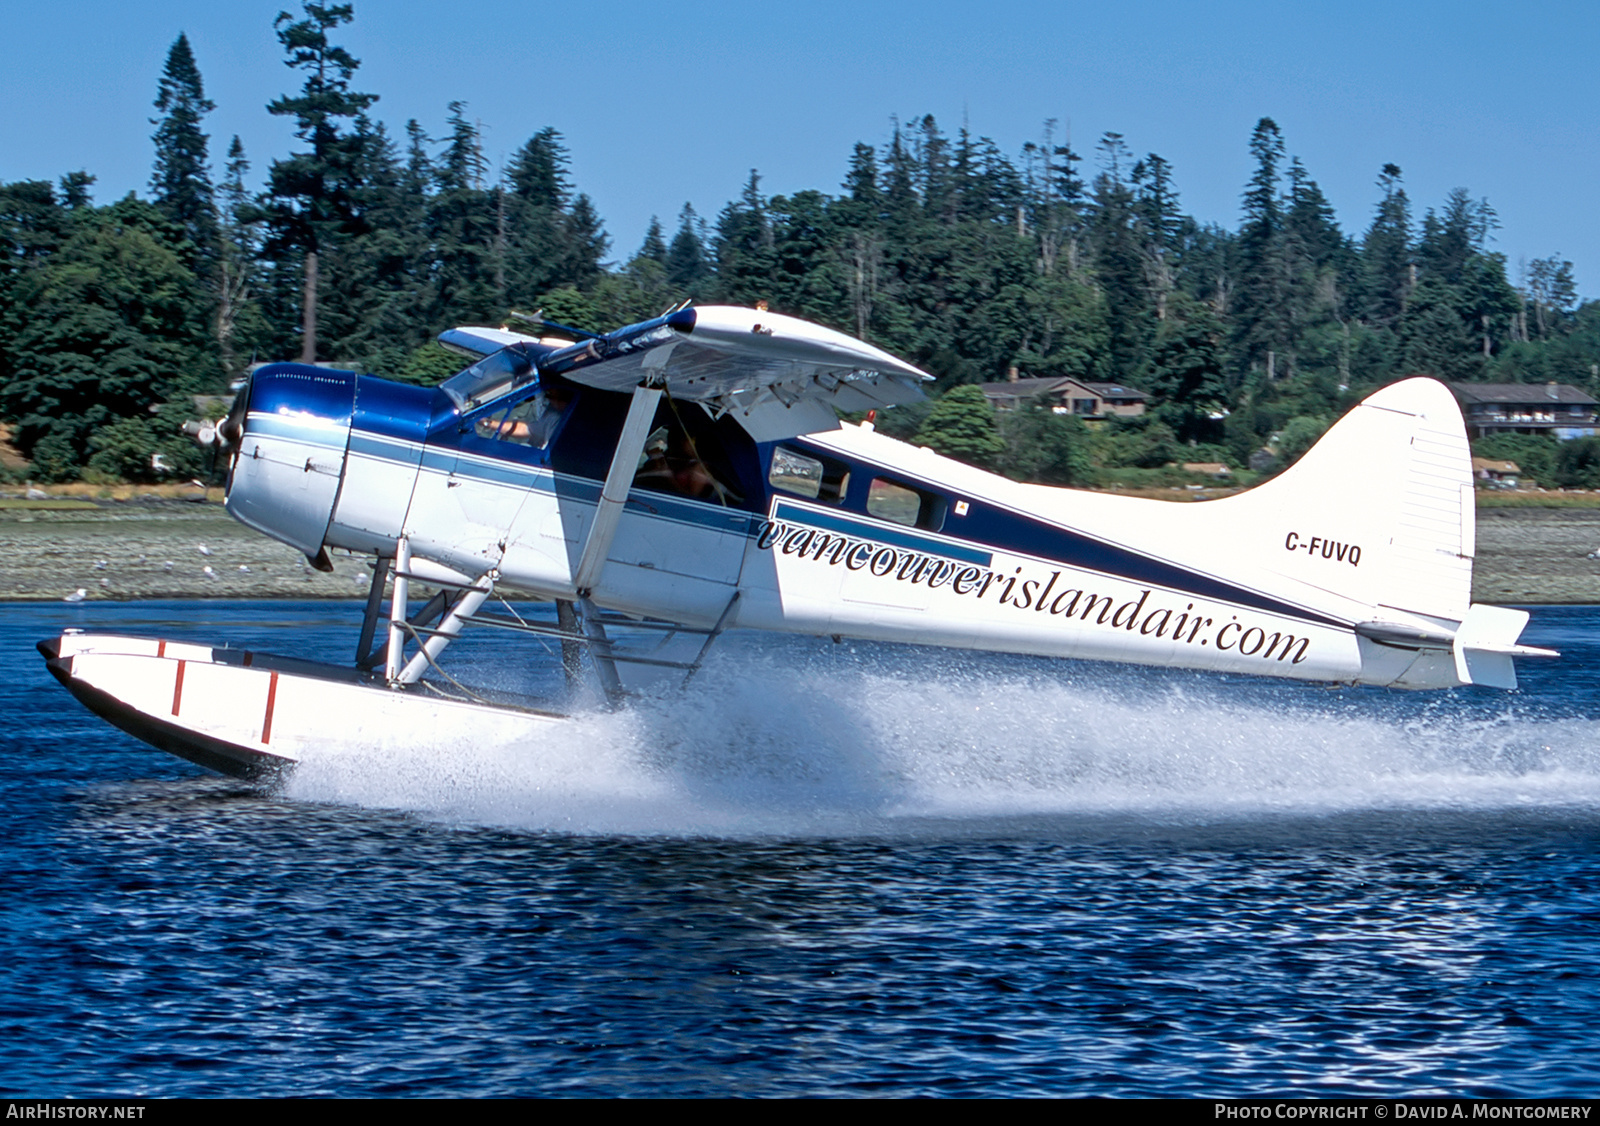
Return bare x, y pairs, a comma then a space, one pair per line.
823, 870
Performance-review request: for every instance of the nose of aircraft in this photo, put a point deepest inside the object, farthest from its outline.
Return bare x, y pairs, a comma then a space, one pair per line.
293, 438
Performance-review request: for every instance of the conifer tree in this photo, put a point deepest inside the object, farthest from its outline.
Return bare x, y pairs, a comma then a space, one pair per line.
654, 246
1386, 254
238, 244
464, 224
865, 203
687, 268
744, 247
180, 184
372, 301
1157, 220
586, 243
1318, 257
75, 191
312, 198
537, 198
1262, 324
1117, 261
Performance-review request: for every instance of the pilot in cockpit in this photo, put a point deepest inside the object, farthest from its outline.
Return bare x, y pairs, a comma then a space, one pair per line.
531, 422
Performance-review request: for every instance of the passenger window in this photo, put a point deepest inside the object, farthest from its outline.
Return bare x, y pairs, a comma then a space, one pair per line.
901, 504
814, 478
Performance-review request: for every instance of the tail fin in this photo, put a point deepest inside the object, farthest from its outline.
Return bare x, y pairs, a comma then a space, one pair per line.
1381, 510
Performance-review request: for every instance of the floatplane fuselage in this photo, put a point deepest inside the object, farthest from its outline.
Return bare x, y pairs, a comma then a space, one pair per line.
690, 472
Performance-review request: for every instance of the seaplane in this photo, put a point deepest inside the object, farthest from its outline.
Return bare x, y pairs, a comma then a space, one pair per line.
690, 474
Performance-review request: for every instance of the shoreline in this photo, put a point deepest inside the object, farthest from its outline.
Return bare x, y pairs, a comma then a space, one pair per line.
154, 547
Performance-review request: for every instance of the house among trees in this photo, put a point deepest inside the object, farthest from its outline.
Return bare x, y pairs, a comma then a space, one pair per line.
1496, 473
1068, 396
1557, 409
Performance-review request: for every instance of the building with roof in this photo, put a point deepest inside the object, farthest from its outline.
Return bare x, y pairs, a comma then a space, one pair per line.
1068, 396
1496, 473
1559, 409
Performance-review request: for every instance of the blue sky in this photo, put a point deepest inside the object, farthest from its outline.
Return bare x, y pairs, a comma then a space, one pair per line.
662, 104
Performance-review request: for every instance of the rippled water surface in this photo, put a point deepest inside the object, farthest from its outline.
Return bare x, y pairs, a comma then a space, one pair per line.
825, 870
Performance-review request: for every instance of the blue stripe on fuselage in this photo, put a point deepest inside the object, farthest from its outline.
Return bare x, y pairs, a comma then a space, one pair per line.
514, 474
1017, 534
785, 510
989, 525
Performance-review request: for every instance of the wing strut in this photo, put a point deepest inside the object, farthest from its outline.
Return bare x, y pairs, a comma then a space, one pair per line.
614, 496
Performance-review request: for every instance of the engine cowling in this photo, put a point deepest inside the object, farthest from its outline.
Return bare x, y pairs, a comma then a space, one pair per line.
292, 445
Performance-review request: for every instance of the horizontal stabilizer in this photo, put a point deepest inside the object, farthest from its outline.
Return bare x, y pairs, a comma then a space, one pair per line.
1486, 642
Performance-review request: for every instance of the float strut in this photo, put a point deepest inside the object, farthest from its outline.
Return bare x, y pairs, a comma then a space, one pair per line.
369, 622
571, 651
600, 652
399, 605
465, 606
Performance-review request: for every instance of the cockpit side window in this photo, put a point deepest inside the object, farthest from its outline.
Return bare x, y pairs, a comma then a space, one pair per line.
530, 421
688, 452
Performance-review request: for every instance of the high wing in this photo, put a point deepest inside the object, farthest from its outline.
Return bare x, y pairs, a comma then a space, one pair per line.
778, 375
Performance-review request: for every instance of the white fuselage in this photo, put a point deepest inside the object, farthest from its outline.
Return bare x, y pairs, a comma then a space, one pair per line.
1266, 583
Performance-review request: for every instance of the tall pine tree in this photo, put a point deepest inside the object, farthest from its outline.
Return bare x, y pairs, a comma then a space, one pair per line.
312, 197
1263, 314
180, 184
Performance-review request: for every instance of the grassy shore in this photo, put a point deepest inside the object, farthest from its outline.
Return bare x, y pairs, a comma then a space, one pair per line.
160, 544
154, 548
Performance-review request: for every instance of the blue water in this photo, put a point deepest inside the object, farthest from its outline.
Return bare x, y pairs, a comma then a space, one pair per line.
828, 870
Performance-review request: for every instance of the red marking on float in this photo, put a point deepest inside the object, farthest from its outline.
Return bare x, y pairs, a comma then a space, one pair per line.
161, 648
272, 699
177, 688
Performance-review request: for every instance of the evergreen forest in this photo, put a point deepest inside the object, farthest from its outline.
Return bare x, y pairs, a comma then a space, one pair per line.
973, 262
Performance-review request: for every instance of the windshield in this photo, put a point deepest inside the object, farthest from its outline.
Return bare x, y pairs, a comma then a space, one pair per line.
490, 378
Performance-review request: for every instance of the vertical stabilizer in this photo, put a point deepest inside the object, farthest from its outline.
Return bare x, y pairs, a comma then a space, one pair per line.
1381, 510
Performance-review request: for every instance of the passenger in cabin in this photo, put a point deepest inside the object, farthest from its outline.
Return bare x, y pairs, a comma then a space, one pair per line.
671, 464
690, 477
654, 472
